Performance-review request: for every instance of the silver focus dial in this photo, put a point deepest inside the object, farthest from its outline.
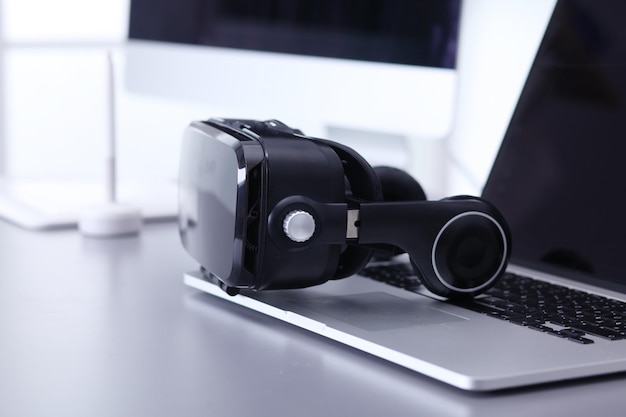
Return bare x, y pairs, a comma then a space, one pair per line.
299, 225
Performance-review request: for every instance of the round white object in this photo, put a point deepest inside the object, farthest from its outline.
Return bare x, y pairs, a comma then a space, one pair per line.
110, 220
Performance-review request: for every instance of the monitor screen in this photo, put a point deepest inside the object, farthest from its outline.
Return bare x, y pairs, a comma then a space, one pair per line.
376, 75
393, 31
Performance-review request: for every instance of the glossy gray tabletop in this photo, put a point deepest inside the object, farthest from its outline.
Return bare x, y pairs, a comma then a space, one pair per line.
105, 327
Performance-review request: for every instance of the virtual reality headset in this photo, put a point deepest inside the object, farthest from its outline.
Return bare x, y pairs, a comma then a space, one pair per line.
264, 207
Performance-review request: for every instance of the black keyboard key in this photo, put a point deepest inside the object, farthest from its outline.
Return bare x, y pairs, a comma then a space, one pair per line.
581, 340
541, 328
571, 333
525, 321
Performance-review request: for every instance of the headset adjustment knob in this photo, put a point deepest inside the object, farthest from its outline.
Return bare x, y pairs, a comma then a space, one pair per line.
299, 225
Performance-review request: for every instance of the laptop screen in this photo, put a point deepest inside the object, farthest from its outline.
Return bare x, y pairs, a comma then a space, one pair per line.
560, 175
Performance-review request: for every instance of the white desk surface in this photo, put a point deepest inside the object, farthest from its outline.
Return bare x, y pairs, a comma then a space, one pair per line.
106, 328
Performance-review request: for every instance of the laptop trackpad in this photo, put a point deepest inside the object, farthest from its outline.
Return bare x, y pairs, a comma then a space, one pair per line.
376, 311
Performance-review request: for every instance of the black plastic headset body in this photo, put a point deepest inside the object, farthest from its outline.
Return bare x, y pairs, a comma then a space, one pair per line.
294, 211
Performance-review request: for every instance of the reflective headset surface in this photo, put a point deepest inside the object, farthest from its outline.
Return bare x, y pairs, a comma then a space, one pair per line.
309, 210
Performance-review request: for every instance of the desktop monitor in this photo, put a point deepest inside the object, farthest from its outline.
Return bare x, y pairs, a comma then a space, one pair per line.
377, 75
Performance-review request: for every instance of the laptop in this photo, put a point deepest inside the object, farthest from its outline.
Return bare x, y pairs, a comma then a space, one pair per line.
559, 311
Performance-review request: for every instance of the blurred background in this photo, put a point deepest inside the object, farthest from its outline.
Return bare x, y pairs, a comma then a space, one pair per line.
53, 94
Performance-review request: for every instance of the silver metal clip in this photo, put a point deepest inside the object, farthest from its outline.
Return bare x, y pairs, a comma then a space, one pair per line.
352, 231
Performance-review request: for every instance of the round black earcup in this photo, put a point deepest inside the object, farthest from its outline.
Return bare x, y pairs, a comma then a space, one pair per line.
467, 254
398, 185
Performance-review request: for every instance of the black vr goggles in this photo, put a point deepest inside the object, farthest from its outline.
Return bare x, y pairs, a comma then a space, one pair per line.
264, 207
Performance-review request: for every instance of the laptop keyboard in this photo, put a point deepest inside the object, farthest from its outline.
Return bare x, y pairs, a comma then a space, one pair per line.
549, 308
